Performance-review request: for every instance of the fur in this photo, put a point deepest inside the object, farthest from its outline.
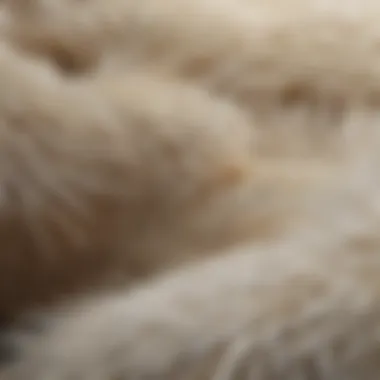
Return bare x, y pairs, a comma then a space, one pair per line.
211, 164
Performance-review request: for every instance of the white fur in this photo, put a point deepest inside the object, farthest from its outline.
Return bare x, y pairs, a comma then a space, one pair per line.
287, 283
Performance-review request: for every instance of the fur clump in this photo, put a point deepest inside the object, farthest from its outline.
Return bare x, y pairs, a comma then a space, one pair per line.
211, 164
79, 188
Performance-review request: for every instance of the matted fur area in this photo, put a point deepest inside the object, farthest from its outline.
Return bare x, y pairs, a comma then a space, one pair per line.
211, 165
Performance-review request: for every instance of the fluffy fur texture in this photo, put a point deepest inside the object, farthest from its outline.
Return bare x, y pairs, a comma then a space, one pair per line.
79, 189
141, 136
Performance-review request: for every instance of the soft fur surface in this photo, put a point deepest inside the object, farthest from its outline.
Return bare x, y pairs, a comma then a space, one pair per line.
190, 189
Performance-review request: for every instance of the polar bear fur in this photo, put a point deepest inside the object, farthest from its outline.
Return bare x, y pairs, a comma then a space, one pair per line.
210, 165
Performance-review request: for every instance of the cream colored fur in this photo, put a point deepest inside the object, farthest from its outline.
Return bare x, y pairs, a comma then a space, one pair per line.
140, 136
